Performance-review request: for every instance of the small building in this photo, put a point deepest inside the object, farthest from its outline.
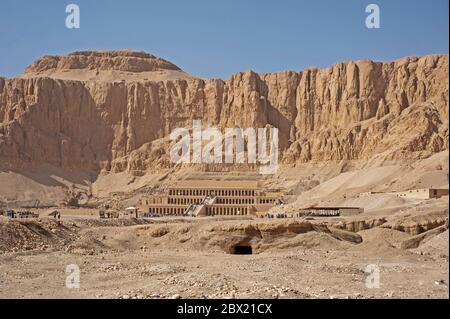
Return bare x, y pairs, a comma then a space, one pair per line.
424, 193
131, 212
365, 194
108, 214
317, 211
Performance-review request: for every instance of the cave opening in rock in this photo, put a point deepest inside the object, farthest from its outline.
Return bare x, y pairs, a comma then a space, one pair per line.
242, 250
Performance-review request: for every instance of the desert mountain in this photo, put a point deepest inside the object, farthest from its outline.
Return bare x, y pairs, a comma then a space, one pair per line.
108, 66
113, 111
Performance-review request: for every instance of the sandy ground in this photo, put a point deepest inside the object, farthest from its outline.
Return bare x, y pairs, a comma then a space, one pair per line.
190, 258
159, 274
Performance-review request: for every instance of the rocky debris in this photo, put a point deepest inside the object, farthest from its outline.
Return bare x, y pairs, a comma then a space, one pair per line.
441, 283
120, 222
108, 267
276, 292
138, 294
350, 269
438, 246
42, 234
159, 269
159, 232
392, 236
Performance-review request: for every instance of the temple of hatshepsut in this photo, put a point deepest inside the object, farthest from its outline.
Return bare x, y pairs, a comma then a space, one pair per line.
210, 198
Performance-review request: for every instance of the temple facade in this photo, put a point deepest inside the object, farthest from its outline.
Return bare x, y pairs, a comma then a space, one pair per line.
211, 198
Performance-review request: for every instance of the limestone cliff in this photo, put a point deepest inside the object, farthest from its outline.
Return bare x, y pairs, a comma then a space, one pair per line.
351, 111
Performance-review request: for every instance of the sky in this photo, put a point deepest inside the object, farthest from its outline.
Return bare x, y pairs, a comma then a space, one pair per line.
215, 39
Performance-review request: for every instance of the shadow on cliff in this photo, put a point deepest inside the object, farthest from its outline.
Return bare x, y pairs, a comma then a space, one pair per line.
280, 121
81, 142
277, 119
52, 176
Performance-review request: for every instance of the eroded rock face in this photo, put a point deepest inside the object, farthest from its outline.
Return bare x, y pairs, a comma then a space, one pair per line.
417, 240
416, 225
109, 60
359, 224
350, 111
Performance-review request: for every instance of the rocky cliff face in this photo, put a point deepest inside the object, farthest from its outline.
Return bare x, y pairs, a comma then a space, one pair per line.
350, 111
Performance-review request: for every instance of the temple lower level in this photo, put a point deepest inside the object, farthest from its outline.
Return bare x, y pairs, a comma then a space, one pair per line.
211, 198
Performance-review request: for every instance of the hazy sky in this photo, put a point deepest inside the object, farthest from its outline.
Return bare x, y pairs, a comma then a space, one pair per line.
212, 38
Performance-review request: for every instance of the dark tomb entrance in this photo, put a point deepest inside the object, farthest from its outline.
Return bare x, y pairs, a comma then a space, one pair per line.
242, 250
